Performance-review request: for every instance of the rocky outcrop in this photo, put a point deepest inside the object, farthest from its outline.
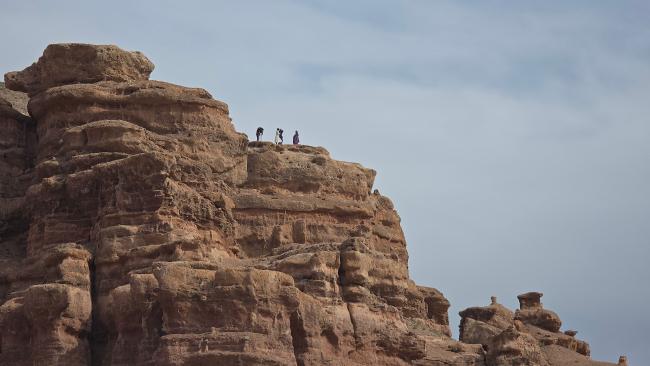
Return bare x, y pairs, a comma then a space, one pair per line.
70, 63
17, 100
481, 324
138, 227
531, 312
529, 336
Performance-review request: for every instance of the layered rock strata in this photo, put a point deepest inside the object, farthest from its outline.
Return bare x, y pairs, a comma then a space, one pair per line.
138, 227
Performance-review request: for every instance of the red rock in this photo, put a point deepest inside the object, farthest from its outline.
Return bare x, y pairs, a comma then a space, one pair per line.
529, 336
513, 348
69, 63
138, 227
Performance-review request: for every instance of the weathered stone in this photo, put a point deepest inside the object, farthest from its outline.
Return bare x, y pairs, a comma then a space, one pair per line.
17, 100
529, 336
513, 348
481, 324
138, 227
530, 300
53, 319
72, 63
542, 318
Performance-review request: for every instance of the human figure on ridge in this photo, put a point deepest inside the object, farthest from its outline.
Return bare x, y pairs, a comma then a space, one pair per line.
279, 139
259, 133
296, 138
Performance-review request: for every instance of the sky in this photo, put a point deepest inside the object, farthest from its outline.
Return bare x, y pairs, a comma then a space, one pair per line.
512, 136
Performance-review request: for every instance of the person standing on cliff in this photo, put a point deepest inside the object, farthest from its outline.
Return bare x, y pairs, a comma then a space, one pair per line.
259, 133
296, 138
279, 139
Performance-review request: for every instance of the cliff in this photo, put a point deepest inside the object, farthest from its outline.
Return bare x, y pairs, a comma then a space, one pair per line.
138, 227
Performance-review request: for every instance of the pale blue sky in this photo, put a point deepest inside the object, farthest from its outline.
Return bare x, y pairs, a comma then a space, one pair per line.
513, 136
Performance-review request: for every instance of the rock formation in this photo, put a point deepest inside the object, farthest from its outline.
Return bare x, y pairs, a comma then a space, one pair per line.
70, 63
138, 227
529, 336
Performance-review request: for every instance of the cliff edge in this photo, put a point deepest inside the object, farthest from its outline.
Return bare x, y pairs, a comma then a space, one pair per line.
138, 227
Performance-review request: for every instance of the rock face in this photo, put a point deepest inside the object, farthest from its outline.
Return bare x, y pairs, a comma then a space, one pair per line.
138, 227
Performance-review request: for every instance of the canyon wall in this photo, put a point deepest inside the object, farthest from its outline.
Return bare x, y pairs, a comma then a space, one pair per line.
138, 227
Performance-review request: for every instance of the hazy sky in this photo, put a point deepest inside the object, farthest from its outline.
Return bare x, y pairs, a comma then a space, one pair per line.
513, 136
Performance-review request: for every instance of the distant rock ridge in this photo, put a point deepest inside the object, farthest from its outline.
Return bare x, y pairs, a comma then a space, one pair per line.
138, 227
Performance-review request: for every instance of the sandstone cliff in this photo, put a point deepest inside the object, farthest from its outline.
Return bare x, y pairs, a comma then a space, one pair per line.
138, 227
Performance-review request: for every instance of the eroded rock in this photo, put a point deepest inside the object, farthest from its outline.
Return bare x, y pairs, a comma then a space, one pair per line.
70, 63
529, 336
138, 227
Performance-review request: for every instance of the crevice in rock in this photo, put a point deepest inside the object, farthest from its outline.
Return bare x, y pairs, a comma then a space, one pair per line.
357, 340
98, 334
341, 273
154, 326
341, 283
331, 337
298, 337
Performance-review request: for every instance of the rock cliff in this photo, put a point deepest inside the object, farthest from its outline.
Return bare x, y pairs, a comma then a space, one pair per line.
138, 227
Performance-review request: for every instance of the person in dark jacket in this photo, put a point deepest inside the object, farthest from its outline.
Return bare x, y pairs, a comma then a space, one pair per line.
296, 138
259, 133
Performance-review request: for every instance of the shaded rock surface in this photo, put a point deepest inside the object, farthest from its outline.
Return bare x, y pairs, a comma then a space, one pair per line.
17, 100
138, 227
